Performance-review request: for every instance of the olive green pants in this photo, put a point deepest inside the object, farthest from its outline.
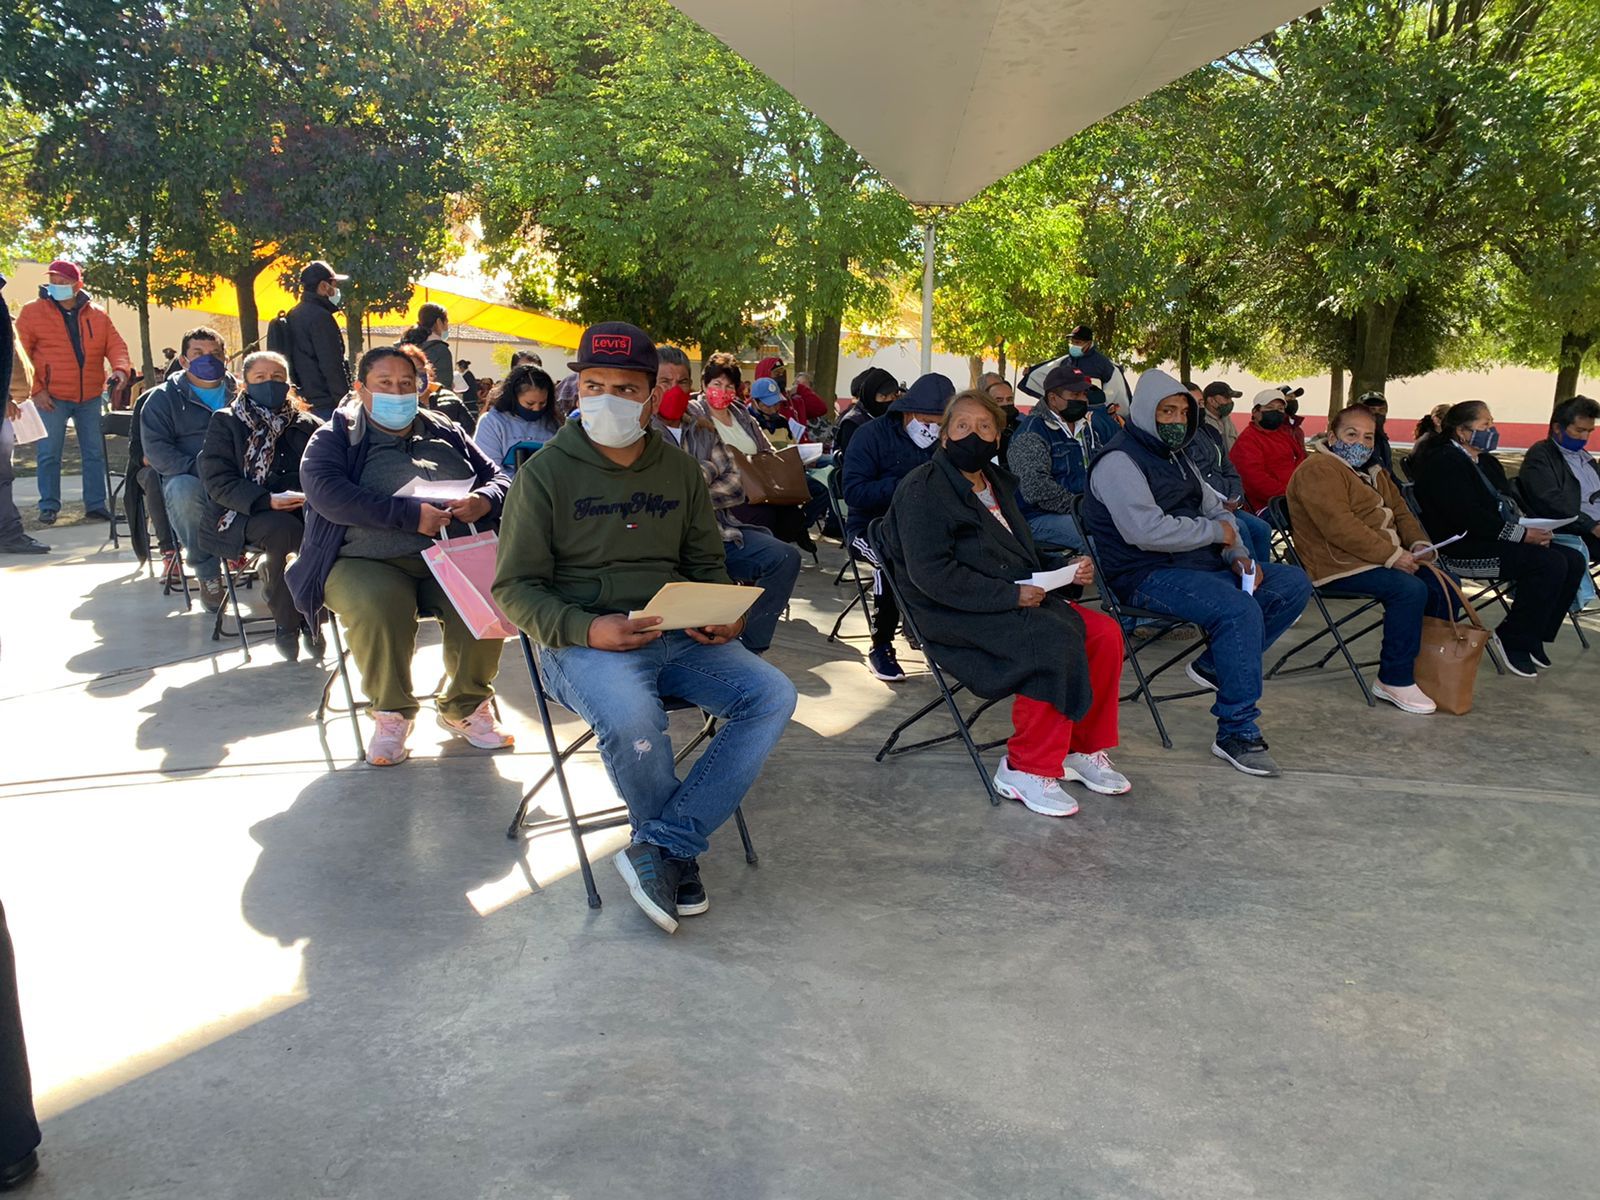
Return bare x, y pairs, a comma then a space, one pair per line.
378, 601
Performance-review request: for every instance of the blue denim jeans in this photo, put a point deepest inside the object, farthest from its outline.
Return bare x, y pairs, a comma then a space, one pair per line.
1257, 535
1241, 628
189, 509
1056, 529
618, 693
85, 418
1406, 599
772, 566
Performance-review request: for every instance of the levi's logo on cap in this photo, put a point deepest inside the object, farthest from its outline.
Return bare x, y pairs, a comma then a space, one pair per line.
612, 343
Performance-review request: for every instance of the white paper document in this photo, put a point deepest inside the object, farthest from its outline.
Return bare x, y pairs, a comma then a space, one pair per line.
685, 605
291, 495
1421, 550
1544, 522
809, 452
1248, 582
1051, 580
28, 425
436, 491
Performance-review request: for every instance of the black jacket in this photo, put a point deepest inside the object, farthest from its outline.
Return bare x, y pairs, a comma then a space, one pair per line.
222, 471
1457, 495
1550, 489
958, 571
317, 353
8, 343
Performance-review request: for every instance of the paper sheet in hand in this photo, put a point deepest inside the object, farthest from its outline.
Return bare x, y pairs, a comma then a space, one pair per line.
809, 452
1544, 522
28, 426
1432, 546
291, 495
436, 491
1248, 582
1051, 580
696, 605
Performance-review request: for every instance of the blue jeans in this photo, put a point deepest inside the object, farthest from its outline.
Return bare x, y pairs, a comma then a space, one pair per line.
1257, 535
1241, 628
1406, 599
618, 693
1057, 529
772, 566
85, 418
190, 510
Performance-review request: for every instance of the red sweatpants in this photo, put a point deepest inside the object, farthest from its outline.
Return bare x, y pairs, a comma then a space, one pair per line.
1044, 737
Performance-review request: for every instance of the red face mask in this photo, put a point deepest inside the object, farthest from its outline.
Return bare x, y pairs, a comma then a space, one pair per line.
721, 397
674, 403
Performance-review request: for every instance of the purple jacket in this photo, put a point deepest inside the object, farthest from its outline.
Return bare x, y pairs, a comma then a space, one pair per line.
330, 473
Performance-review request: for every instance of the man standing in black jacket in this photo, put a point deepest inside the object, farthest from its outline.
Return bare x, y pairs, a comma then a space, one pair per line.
317, 359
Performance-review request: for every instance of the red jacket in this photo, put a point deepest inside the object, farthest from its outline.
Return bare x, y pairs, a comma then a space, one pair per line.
58, 371
807, 405
1265, 461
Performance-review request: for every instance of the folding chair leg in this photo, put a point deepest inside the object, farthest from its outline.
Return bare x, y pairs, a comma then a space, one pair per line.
561, 778
1149, 700
744, 836
966, 738
1344, 649
342, 670
1577, 627
859, 598
238, 613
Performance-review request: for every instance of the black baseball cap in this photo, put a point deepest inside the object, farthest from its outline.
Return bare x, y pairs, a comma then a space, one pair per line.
1222, 388
319, 272
1065, 378
1289, 391
616, 344
1082, 333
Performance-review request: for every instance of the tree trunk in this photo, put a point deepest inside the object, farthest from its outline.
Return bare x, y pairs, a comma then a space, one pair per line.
1335, 391
1185, 348
148, 365
1375, 333
974, 369
244, 290
1570, 365
802, 340
352, 329
825, 357
1000, 359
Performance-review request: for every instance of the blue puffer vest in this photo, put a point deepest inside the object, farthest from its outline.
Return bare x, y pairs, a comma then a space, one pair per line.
1176, 490
1067, 459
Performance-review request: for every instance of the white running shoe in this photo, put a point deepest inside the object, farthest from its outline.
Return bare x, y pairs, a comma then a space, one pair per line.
1040, 793
1096, 773
1410, 699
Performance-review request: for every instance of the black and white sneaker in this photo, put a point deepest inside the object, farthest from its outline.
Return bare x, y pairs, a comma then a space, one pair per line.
884, 665
1520, 662
692, 899
652, 881
1246, 754
1541, 658
1203, 677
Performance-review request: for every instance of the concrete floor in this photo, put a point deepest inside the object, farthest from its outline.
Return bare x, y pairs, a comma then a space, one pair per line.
251, 969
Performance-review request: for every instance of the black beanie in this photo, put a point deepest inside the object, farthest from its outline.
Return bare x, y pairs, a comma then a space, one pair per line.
874, 381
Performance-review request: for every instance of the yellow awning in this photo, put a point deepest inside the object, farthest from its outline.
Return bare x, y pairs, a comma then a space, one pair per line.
513, 322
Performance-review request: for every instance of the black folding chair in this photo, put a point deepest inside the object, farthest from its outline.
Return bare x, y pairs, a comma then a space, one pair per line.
1278, 516
947, 691
851, 560
116, 424
247, 577
175, 575
609, 818
1164, 624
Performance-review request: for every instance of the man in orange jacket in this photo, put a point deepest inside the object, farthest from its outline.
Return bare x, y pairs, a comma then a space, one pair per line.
70, 340
1268, 450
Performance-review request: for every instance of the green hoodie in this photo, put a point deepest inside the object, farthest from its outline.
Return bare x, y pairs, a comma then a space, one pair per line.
581, 536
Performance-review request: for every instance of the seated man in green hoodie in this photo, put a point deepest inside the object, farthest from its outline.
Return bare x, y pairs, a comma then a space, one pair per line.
595, 524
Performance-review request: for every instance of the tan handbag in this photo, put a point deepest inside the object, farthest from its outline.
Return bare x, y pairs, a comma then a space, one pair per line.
1447, 666
772, 477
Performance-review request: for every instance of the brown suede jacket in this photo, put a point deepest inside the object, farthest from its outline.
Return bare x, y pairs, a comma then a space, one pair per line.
1347, 521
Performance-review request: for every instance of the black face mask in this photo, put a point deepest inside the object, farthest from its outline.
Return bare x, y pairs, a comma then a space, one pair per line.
1075, 410
270, 394
1272, 419
971, 452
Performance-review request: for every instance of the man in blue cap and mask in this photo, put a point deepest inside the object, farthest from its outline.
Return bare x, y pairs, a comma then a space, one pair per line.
172, 431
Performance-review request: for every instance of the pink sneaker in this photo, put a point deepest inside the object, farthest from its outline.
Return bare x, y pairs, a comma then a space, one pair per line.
478, 729
387, 746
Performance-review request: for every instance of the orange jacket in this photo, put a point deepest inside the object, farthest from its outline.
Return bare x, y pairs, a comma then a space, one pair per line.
57, 370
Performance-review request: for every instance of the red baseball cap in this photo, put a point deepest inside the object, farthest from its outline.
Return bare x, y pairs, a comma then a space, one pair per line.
62, 267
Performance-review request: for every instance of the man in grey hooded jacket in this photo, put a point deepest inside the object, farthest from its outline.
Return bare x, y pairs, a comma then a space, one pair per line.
1167, 542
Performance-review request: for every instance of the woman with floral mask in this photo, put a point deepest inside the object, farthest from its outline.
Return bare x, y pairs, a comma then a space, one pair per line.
361, 555
1352, 528
250, 465
1462, 489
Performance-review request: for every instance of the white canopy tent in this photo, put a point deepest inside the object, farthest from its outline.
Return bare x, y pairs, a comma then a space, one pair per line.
944, 97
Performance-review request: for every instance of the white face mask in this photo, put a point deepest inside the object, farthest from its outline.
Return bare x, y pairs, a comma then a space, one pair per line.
610, 420
923, 433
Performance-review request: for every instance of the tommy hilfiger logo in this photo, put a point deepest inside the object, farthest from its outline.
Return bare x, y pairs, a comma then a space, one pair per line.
655, 504
613, 343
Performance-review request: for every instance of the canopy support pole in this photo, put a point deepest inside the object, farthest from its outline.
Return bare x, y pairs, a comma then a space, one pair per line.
928, 234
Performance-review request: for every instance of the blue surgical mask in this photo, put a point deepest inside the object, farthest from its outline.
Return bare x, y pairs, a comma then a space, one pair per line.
335, 297
207, 367
1354, 453
1568, 442
1076, 351
213, 397
1486, 439
394, 411
61, 291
